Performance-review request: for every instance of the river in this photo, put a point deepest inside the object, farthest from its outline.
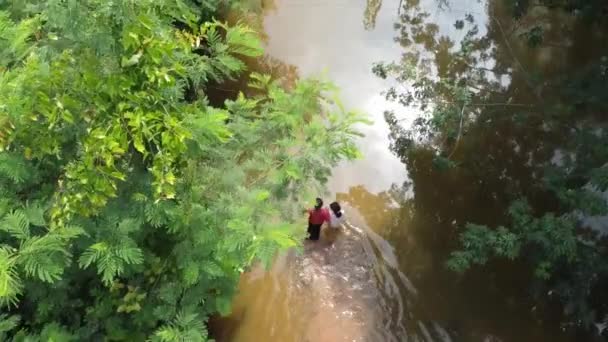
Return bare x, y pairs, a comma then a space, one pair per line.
373, 281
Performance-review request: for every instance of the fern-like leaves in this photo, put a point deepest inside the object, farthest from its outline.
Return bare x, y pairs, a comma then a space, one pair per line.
44, 257
16, 225
14, 168
111, 259
10, 283
8, 323
244, 41
185, 327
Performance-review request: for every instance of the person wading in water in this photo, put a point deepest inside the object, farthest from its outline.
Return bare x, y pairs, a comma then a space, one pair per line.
336, 216
337, 220
316, 217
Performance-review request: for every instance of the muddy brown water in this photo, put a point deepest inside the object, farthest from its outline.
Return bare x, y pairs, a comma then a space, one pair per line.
372, 280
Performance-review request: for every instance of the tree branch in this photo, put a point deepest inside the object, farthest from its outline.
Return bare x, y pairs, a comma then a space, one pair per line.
459, 131
485, 69
521, 66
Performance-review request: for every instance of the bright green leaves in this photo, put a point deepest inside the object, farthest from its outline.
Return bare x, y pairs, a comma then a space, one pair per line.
10, 282
262, 195
243, 41
15, 39
260, 81
304, 113
184, 327
38, 107
131, 61
224, 62
163, 139
92, 179
144, 92
104, 121
209, 126
143, 127
151, 120
152, 47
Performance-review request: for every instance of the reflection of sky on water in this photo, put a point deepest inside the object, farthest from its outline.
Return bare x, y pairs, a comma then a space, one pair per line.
319, 36
329, 36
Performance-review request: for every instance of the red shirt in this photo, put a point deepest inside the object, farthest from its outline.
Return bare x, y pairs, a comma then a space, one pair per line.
318, 216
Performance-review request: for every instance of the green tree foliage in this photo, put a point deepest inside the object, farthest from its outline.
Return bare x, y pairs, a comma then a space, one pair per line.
128, 209
514, 117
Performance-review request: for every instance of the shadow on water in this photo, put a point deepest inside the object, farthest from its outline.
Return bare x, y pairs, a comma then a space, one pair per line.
479, 307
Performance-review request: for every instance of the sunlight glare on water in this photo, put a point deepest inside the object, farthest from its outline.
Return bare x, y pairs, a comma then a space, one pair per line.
328, 37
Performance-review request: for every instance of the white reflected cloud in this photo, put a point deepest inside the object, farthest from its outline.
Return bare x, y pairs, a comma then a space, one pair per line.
334, 40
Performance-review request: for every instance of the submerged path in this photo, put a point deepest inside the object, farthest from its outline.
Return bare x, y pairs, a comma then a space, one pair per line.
345, 287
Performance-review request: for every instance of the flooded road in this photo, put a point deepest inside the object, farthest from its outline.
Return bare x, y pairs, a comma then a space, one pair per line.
373, 281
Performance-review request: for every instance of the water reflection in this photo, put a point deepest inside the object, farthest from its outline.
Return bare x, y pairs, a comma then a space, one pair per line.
328, 37
497, 143
384, 279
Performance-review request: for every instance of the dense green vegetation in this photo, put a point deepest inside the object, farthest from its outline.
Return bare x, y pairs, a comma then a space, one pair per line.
511, 128
130, 205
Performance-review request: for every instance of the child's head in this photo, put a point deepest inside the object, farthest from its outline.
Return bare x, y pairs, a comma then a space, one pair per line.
318, 203
335, 207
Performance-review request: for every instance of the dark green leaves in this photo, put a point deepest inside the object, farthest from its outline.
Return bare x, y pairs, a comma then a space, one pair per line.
16, 224
552, 240
599, 178
481, 243
129, 203
534, 36
110, 259
14, 167
7, 323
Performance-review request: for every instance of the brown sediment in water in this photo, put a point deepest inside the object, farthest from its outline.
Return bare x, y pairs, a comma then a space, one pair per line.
321, 294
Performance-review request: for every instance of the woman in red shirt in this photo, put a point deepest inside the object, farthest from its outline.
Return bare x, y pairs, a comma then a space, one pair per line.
316, 217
